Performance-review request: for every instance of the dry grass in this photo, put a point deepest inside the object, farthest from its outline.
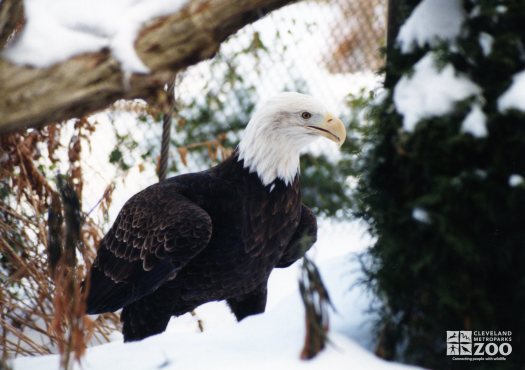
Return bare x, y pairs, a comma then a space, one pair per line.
41, 305
41, 265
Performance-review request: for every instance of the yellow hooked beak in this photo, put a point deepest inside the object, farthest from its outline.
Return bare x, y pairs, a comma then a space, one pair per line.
332, 128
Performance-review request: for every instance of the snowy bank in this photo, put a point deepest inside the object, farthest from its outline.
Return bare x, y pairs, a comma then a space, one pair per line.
271, 340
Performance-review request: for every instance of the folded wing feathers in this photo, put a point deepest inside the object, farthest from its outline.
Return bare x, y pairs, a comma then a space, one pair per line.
148, 229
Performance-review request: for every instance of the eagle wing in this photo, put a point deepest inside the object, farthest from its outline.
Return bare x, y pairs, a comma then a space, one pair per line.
157, 232
302, 240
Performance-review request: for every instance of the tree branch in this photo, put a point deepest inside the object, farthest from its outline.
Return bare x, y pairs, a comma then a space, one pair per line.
11, 14
90, 82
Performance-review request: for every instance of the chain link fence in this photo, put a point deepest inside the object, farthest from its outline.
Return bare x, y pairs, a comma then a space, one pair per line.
327, 48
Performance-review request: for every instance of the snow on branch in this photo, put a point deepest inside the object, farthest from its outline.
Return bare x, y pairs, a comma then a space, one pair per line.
432, 91
431, 22
90, 81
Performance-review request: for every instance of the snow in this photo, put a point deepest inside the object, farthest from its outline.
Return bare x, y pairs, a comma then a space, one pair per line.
270, 340
419, 214
475, 123
515, 180
514, 97
486, 41
482, 174
430, 92
431, 21
501, 9
56, 30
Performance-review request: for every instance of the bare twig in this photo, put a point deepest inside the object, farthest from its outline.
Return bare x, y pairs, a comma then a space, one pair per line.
316, 302
27, 291
11, 16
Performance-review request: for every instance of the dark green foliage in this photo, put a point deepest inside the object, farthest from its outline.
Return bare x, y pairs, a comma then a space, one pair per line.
465, 268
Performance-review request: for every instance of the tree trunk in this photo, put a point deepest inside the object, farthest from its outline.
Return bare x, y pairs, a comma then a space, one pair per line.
398, 12
91, 81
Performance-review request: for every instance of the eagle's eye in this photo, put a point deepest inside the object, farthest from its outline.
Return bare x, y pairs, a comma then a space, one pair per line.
306, 115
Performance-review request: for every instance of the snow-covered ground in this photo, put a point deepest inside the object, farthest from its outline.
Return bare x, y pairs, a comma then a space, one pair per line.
272, 340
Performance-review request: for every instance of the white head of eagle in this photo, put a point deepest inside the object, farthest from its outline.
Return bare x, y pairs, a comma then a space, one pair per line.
279, 129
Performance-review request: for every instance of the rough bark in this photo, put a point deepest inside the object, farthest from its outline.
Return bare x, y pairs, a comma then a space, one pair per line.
398, 12
11, 15
89, 82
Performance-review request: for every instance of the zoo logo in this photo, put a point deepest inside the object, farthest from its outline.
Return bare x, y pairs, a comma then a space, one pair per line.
461, 343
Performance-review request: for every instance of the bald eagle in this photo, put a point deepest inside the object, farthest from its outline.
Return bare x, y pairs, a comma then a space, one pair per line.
217, 234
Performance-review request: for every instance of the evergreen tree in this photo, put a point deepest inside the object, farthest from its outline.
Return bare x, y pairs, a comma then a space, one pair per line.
442, 185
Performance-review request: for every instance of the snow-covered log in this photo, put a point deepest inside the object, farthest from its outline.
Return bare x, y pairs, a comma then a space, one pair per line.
32, 96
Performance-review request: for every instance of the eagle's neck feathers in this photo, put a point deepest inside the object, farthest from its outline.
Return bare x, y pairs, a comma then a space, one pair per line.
270, 153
